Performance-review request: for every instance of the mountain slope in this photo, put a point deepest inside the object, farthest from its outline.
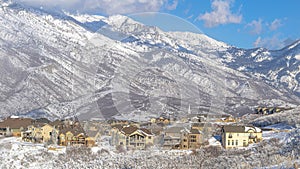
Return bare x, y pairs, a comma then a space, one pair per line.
280, 68
56, 64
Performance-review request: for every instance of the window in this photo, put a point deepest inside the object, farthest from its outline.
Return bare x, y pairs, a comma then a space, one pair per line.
232, 142
149, 137
50, 133
244, 143
192, 136
229, 142
193, 140
236, 142
184, 140
230, 135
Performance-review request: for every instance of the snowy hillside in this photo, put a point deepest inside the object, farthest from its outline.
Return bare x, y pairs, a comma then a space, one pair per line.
57, 64
279, 68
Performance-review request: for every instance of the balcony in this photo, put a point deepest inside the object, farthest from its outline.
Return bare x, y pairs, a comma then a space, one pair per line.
137, 140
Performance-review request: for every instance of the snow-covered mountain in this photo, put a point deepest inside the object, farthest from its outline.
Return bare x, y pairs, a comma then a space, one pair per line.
58, 64
280, 68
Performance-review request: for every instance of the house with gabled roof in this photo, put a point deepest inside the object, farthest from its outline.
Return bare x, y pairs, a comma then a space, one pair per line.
240, 136
33, 133
131, 136
172, 137
71, 133
49, 133
194, 138
182, 138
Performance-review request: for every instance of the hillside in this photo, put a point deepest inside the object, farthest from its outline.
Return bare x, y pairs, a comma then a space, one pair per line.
55, 64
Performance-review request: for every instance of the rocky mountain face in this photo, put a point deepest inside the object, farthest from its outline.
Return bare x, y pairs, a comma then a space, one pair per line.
57, 65
278, 68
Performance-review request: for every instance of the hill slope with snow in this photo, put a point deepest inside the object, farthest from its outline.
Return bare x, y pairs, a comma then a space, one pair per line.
56, 65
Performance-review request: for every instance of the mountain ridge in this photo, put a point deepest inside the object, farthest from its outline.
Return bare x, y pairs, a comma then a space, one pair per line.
63, 66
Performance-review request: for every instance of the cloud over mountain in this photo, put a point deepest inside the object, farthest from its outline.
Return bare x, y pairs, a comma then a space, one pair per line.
220, 14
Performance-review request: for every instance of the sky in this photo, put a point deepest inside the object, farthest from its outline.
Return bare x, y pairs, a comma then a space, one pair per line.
272, 24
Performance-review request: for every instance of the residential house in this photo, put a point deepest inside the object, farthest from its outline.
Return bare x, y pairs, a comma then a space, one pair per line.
49, 133
271, 110
131, 136
113, 122
95, 129
182, 138
93, 135
194, 139
161, 120
228, 119
240, 136
172, 137
71, 133
33, 133
14, 126
117, 138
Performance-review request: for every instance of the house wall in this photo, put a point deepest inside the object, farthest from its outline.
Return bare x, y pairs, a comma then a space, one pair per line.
37, 134
69, 138
47, 132
184, 142
194, 141
150, 140
16, 132
137, 140
62, 140
121, 139
90, 142
172, 143
232, 140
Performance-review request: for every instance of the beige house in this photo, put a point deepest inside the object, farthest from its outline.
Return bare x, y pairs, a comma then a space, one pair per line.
182, 138
49, 133
194, 139
131, 137
240, 136
161, 121
173, 137
33, 134
71, 133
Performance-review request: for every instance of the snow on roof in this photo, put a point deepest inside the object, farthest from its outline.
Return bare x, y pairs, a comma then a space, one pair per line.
14, 117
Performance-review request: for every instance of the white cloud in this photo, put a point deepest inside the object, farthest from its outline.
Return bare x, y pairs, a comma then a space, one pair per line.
109, 7
275, 24
255, 26
269, 42
220, 14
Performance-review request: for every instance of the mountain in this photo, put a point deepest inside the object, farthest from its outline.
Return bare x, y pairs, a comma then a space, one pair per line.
279, 68
55, 64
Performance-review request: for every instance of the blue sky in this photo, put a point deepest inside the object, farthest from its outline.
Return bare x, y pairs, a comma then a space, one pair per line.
247, 24
254, 23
